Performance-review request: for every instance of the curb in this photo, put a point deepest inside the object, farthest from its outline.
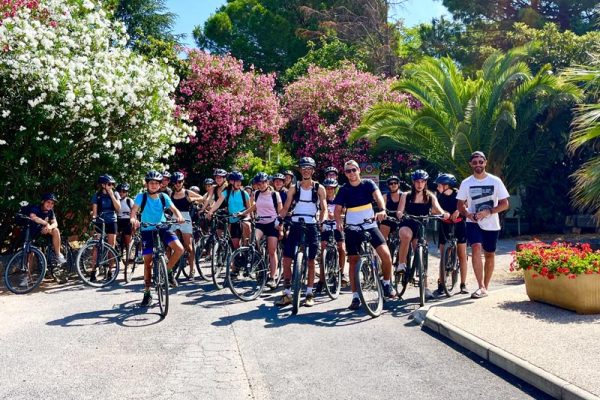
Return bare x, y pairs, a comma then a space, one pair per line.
535, 376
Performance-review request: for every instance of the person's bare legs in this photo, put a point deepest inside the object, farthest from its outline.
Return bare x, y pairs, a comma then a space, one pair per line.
490, 259
477, 264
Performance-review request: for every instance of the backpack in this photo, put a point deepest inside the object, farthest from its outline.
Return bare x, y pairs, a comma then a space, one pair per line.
315, 194
99, 209
145, 200
244, 200
273, 196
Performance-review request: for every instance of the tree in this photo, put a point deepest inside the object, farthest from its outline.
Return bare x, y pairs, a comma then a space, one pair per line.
502, 112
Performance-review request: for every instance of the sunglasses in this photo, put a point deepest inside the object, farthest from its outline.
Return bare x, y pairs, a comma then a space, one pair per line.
351, 170
306, 168
480, 162
392, 183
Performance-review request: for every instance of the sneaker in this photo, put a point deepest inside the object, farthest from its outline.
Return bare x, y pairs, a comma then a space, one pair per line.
93, 277
463, 289
429, 294
318, 288
284, 300
440, 290
310, 300
108, 276
345, 281
147, 300
401, 268
479, 293
355, 305
172, 280
271, 284
61, 259
388, 291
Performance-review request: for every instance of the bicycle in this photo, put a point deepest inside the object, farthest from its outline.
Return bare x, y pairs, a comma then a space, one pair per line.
133, 256
449, 266
27, 267
96, 260
220, 252
300, 266
367, 273
179, 268
420, 260
330, 259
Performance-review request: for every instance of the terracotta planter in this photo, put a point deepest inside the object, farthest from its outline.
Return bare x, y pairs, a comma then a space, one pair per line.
581, 294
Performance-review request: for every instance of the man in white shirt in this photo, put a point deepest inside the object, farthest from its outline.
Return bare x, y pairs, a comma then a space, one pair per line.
480, 198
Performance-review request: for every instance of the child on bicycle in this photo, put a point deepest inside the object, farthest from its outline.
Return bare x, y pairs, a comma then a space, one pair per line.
46, 224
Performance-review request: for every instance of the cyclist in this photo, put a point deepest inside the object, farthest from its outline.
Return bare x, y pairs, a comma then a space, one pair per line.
218, 186
45, 223
164, 185
106, 204
419, 201
357, 197
195, 189
267, 205
183, 199
124, 214
391, 199
331, 173
236, 200
331, 186
309, 198
152, 205
446, 195
278, 185
289, 179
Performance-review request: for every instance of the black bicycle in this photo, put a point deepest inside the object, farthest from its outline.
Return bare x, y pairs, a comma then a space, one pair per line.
331, 259
97, 262
27, 267
449, 267
300, 266
133, 257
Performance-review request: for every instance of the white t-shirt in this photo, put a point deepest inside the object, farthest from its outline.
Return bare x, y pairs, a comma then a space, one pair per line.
483, 193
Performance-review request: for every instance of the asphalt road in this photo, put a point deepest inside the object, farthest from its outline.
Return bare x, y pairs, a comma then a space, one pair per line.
75, 342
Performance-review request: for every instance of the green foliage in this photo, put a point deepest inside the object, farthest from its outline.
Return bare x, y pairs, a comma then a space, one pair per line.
277, 160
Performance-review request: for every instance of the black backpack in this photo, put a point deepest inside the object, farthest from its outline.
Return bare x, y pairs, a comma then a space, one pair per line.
315, 194
244, 200
273, 196
145, 200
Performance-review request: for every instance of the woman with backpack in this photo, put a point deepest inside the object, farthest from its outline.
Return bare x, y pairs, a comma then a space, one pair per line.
106, 204
124, 214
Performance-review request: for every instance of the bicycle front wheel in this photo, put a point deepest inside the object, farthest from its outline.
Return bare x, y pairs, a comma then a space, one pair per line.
370, 288
203, 250
246, 273
218, 263
297, 282
449, 270
97, 264
25, 271
162, 286
420, 271
333, 274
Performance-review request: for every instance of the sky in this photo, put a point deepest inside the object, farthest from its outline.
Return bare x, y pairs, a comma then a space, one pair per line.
194, 12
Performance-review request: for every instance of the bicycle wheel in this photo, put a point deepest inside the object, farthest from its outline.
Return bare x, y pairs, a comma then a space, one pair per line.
297, 282
246, 273
203, 263
333, 275
420, 271
133, 259
279, 271
180, 267
218, 263
54, 269
370, 289
25, 271
449, 266
162, 286
97, 264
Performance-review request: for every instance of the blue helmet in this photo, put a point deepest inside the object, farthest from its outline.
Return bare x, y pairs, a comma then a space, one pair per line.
419, 174
329, 182
209, 181
260, 177
122, 187
446, 179
236, 176
219, 172
177, 176
153, 176
106, 179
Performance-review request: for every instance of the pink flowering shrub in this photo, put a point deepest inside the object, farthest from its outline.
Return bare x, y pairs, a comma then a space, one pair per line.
324, 106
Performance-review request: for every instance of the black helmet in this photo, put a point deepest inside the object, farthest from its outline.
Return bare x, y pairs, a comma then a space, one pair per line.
166, 174
236, 176
219, 172
331, 169
49, 197
279, 176
419, 174
209, 181
446, 179
122, 187
307, 162
329, 182
392, 179
260, 177
177, 176
153, 176
106, 179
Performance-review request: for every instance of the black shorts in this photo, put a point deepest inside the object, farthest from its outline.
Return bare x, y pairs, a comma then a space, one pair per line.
412, 224
124, 226
459, 232
392, 224
110, 228
312, 239
488, 239
268, 230
235, 230
338, 236
355, 238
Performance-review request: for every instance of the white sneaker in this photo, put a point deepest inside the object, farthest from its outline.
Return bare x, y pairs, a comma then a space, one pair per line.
61, 259
401, 267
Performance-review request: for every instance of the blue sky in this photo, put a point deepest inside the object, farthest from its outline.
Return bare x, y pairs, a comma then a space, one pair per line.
194, 12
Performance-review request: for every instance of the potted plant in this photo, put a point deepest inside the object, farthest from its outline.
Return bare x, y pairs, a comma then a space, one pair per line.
561, 274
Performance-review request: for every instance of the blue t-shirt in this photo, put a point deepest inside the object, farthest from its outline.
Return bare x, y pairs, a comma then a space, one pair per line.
106, 209
153, 211
236, 202
47, 216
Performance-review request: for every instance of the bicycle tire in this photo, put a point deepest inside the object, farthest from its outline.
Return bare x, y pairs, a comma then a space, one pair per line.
162, 287
420, 271
84, 264
246, 273
218, 260
14, 277
449, 266
58, 272
133, 258
333, 274
370, 288
297, 282
203, 250
402, 279
279, 270
179, 268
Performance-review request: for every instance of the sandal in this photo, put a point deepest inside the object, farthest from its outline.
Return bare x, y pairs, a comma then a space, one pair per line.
478, 294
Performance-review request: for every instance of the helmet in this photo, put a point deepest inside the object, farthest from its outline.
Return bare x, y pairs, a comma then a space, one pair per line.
195, 189
278, 176
153, 176
106, 179
307, 162
177, 176
446, 179
123, 187
166, 174
219, 172
330, 182
248, 188
392, 178
260, 177
209, 181
236, 176
331, 169
49, 196
419, 174
288, 172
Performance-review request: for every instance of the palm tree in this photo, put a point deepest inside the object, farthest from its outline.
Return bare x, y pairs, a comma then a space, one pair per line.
586, 191
501, 111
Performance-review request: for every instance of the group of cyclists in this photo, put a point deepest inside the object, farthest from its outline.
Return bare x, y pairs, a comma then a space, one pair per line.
352, 208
